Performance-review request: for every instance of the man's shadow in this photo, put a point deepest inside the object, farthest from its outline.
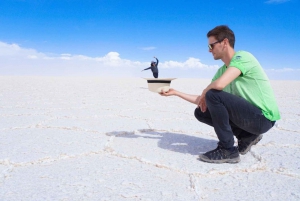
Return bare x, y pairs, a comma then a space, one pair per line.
176, 142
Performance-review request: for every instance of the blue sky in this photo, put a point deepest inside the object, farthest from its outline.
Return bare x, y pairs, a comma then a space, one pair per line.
115, 37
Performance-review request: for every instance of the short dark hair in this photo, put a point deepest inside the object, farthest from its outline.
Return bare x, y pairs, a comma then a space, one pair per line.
221, 32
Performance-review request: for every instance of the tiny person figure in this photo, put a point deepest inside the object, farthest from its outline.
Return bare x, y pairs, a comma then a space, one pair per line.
153, 68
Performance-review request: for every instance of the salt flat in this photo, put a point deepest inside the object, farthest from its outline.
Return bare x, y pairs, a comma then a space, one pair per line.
98, 139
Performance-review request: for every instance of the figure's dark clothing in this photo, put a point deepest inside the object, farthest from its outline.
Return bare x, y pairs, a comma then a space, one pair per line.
154, 69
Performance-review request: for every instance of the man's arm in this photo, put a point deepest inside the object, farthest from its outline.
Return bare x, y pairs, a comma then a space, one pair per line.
228, 76
188, 97
219, 84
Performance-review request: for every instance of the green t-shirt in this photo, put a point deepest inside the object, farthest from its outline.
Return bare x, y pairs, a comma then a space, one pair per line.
252, 85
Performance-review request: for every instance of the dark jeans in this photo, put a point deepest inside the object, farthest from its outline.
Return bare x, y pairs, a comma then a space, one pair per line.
231, 115
155, 75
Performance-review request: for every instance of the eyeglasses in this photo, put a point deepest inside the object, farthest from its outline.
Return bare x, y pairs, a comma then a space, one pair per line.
211, 46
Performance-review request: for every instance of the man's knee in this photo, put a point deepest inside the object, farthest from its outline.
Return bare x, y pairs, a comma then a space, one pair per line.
211, 93
203, 117
198, 113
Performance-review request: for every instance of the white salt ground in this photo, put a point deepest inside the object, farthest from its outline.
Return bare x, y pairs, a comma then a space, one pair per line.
108, 139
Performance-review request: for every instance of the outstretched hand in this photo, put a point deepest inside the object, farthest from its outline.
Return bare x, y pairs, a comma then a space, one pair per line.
171, 92
202, 103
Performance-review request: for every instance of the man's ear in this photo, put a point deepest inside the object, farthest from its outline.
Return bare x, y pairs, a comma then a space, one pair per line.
226, 42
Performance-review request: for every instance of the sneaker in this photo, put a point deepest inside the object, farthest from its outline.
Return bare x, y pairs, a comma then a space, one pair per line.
221, 155
244, 144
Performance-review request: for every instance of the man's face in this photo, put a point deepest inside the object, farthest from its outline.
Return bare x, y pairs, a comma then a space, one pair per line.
215, 47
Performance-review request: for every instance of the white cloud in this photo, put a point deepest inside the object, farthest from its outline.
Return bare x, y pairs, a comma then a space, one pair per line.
283, 70
276, 1
30, 57
14, 50
283, 73
191, 63
15, 60
66, 55
148, 48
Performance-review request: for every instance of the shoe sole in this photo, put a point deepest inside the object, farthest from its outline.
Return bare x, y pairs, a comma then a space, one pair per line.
251, 144
231, 160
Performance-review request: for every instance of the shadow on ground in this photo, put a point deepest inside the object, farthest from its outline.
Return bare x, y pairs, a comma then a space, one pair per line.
176, 142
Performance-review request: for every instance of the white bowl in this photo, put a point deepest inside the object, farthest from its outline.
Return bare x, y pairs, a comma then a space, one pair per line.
158, 84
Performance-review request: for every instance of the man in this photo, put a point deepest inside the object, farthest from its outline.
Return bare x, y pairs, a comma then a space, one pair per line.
153, 68
238, 102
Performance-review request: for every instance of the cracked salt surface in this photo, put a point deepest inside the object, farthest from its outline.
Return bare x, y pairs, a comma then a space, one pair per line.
112, 139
